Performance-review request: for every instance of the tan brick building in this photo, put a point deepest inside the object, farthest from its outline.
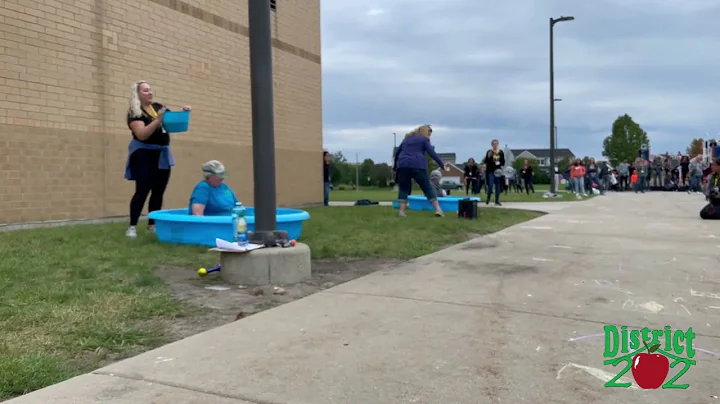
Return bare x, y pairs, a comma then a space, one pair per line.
66, 67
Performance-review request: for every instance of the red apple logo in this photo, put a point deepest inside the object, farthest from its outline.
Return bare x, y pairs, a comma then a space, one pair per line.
650, 369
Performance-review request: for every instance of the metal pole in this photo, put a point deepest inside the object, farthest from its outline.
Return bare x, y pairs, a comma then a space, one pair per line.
263, 131
553, 185
556, 137
357, 172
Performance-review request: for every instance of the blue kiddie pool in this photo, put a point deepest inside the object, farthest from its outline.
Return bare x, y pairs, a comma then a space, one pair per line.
447, 203
176, 226
176, 121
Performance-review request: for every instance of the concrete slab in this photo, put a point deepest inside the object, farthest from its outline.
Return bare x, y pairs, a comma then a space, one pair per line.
513, 317
278, 266
92, 389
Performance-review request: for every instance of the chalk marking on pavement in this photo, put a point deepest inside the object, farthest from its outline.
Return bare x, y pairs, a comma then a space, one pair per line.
704, 294
603, 282
542, 259
652, 307
594, 372
537, 227
686, 309
567, 247
668, 261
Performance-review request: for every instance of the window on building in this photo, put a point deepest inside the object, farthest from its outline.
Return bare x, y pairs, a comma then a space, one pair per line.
273, 5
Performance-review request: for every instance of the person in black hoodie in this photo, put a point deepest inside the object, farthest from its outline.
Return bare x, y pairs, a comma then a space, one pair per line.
527, 175
472, 172
494, 163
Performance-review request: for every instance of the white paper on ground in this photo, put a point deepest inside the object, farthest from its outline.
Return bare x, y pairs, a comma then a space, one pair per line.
227, 246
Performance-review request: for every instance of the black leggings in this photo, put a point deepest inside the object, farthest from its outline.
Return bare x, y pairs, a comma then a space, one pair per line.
624, 182
149, 179
469, 186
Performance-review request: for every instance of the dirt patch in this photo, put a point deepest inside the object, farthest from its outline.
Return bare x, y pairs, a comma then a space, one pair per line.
220, 303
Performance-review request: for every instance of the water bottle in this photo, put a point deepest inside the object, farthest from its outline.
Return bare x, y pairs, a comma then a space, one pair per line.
240, 225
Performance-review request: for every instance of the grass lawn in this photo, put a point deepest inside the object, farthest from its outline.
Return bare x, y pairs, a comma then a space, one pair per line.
388, 195
76, 298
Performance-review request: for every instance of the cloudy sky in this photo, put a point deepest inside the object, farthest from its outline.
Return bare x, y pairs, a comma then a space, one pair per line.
478, 70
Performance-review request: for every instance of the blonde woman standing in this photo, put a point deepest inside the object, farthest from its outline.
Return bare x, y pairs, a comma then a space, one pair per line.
410, 164
149, 156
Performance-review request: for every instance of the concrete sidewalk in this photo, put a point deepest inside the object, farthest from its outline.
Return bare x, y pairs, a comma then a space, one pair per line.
509, 318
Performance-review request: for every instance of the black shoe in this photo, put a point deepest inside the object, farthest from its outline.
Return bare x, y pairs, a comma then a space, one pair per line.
487, 201
498, 204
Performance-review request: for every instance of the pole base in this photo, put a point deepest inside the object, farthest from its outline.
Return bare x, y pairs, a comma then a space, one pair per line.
268, 238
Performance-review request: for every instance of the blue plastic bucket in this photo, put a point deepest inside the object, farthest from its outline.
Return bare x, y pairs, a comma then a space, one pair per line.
176, 122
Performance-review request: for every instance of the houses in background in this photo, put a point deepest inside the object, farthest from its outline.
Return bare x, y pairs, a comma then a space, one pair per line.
541, 155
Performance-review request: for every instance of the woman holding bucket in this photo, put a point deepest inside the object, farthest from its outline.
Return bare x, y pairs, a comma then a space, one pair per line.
149, 156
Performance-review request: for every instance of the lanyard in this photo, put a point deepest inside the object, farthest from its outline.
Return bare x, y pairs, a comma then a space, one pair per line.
153, 113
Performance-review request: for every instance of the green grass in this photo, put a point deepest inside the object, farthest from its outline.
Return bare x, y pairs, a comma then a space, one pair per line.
388, 195
365, 232
73, 297
76, 297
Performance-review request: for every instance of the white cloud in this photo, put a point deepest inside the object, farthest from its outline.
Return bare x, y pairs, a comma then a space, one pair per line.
484, 67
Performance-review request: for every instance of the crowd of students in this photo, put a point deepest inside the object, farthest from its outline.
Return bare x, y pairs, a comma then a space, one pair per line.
664, 172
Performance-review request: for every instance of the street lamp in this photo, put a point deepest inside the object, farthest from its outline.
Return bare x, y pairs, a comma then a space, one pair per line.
556, 136
553, 179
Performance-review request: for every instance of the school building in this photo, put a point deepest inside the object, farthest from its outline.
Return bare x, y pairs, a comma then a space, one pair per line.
66, 67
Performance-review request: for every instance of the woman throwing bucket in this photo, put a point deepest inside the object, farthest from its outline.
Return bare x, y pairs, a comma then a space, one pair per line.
410, 164
149, 157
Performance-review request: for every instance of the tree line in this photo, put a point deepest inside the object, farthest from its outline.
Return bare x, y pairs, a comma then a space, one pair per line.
627, 137
367, 172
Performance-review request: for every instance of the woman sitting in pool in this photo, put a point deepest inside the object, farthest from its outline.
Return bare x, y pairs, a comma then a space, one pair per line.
211, 196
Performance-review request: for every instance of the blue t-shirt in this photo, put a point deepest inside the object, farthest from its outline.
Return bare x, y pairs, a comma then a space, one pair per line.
218, 201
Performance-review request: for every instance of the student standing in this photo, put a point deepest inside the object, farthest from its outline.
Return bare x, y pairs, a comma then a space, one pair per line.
494, 163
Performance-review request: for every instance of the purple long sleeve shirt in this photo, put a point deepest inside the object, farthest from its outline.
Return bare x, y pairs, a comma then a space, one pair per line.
411, 153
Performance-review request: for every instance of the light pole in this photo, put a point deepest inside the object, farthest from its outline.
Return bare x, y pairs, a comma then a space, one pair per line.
553, 179
263, 130
556, 136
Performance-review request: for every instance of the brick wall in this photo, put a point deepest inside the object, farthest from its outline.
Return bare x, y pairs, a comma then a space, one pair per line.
66, 67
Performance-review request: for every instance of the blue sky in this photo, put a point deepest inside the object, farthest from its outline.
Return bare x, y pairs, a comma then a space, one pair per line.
478, 70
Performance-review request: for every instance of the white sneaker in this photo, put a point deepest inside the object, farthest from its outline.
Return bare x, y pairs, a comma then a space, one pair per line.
577, 196
585, 195
131, 232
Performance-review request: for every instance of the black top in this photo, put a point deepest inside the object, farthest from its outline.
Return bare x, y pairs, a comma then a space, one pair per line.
526, 172
472, 171
494, 161
326, 172
159, 137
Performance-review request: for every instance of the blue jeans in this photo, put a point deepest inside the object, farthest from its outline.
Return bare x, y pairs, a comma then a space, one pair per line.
404, 179
695, 183
594, 179
579, 185
326, 196
496, 183
641, 183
